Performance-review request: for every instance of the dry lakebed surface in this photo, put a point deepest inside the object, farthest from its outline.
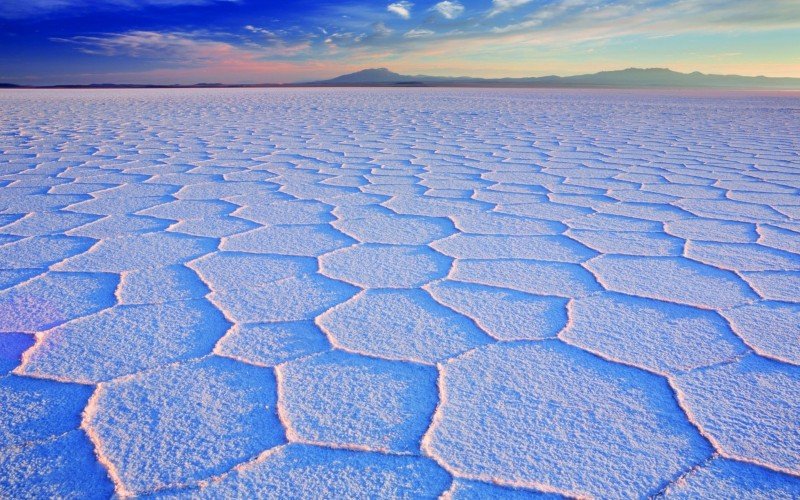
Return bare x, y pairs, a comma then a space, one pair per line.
361, 293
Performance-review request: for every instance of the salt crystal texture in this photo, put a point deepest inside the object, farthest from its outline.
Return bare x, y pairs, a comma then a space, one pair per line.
372, 293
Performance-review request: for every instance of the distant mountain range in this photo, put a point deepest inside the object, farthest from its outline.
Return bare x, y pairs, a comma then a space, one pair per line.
626, 78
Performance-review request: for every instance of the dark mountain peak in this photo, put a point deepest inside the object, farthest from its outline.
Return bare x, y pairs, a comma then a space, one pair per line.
371, 75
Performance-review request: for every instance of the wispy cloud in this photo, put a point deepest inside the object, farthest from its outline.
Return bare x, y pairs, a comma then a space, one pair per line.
581, 20
380, 29
262, 31
449, 9
418, 33
187, 57
402, 8
499, 6
183, 49
279, 42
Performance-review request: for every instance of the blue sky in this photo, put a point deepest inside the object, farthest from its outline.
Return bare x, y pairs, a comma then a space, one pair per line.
245, 41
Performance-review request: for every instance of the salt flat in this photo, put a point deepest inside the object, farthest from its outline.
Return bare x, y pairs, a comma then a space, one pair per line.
399, 293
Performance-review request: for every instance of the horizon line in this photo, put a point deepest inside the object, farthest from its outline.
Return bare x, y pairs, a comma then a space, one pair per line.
441, 81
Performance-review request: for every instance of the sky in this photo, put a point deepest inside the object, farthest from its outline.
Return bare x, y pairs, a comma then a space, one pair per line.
46, 42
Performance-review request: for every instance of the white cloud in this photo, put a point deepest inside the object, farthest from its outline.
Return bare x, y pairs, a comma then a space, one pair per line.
402, 8
499, 6
448, 9
418, 33
261, 31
